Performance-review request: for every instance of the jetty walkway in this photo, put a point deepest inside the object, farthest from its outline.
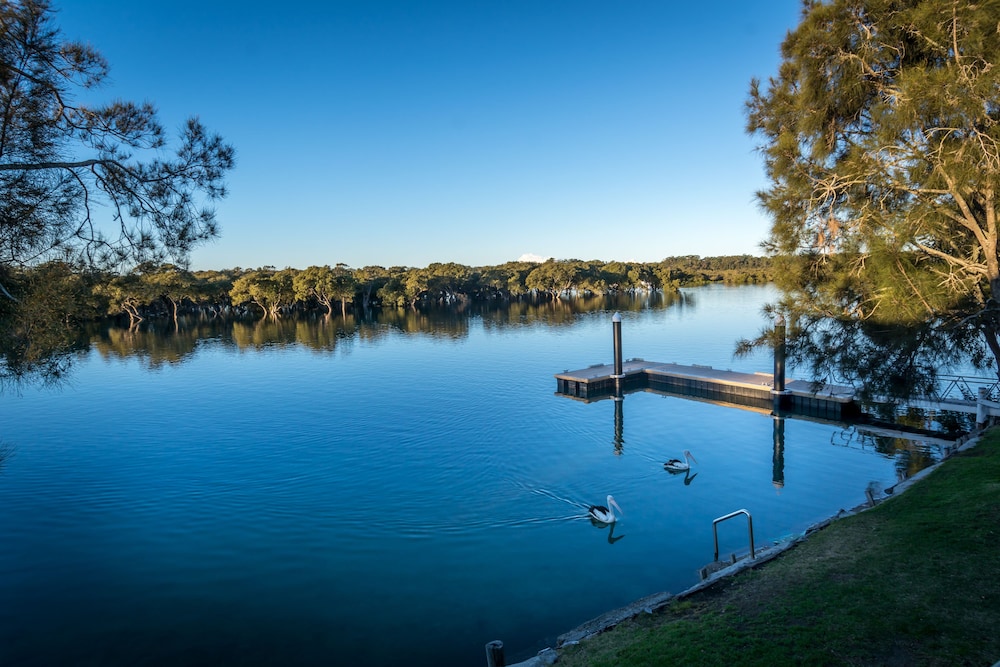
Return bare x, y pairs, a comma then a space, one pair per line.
756, 390
752, 389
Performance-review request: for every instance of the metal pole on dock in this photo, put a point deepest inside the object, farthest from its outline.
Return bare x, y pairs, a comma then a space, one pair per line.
616, 326
778, 388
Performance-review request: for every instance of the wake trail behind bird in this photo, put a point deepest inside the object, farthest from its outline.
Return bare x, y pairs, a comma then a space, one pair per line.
554, 496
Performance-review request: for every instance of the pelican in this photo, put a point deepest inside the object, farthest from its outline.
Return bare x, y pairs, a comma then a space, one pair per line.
605, 514
676, 465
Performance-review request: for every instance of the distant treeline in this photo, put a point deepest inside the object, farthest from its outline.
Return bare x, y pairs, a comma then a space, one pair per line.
168, 290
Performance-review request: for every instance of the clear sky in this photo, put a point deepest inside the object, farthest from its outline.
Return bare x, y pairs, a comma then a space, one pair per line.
400, 132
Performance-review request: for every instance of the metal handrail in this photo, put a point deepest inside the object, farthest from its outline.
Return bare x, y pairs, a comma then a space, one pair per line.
715, 531
967, 386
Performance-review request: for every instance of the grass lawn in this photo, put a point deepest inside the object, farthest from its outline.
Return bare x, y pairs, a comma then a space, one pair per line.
913, 581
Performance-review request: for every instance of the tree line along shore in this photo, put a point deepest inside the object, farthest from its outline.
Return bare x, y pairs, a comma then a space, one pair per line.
167, 290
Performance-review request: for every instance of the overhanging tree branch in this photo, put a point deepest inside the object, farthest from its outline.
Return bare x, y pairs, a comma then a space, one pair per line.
881, 140
154, 201
38, 166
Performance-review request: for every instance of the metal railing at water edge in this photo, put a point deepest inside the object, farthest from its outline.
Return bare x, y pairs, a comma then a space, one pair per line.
715, 530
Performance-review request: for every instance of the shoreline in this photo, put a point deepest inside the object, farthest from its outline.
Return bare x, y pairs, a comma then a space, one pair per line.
656, 601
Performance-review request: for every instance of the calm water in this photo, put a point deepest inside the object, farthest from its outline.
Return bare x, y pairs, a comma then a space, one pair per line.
345, 493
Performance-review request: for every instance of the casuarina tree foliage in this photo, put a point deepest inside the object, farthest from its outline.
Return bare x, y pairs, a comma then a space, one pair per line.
93, 186
92, 182
880, 135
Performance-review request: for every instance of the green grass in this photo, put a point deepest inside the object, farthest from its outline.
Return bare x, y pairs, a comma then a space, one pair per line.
914, 581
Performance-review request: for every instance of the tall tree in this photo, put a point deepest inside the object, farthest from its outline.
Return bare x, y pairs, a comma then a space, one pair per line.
127, 293
345, 285
58, 159
271, 290
315, 282
173, 284
213, 290
880, 135
370, 279
90, 184
555, 277
392, 290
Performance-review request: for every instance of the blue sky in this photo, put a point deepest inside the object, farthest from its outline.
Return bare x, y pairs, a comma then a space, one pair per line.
411, 132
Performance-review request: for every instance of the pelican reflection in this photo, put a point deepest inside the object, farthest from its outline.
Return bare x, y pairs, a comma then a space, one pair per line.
688, 477
611, 529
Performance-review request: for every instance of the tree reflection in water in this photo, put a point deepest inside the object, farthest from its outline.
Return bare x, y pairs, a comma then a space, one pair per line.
160, 342
911, 453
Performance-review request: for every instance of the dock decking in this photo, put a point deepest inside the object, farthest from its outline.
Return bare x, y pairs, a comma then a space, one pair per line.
753, 389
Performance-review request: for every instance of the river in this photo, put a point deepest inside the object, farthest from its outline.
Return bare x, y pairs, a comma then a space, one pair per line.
398, 490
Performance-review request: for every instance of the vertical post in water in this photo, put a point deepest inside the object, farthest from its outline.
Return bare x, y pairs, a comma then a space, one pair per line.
494, 654
778, 388
616, 325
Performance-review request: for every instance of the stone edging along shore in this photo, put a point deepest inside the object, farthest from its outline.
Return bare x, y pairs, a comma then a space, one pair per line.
656, 601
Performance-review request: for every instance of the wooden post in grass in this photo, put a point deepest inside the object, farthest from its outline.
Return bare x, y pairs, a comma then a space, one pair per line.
494, 654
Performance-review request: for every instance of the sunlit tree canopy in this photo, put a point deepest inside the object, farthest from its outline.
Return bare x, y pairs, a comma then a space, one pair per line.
82, 185
880, 135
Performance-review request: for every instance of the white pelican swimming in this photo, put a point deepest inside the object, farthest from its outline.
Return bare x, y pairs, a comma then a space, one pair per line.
605, 514
676, 465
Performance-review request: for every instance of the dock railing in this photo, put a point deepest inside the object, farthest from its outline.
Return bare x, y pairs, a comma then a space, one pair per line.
965, 393
967, 387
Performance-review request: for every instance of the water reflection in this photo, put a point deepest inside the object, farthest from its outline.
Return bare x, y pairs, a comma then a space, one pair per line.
619, 425
265, 333
454, 484
911, 451
611, 530
156, 346
326, 333
911, 455
567, 311
688, 477
161, 342
778, 456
